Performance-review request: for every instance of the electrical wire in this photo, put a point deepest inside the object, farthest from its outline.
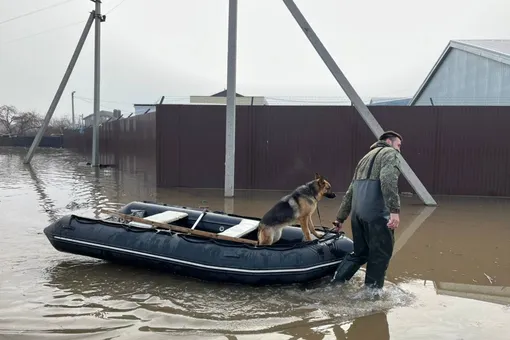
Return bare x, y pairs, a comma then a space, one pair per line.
91, 101
43, 32
55, 28
114, 7
36, 11
104, 101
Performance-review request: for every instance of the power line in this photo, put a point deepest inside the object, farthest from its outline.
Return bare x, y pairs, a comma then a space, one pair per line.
36, 11
56, 28
104, 101
91, 101
43, 32
114, 7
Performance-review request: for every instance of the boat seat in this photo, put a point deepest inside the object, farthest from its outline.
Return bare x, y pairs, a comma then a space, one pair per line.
239, 230
164, 217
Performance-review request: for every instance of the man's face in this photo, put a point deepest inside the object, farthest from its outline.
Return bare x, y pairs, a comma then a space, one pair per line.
395, 143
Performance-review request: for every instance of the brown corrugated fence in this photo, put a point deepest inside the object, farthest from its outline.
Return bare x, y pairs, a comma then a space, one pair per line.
453, 150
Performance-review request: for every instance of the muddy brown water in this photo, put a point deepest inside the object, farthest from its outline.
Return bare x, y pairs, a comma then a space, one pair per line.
448, 278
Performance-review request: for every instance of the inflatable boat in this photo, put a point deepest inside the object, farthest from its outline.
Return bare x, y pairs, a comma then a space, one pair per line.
212, 246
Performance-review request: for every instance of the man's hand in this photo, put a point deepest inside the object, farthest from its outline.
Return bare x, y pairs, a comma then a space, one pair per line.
394, 221
338, 226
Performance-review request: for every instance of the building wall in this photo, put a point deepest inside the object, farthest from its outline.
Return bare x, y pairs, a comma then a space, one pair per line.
468, 79
89, 121
103, 117
142, 109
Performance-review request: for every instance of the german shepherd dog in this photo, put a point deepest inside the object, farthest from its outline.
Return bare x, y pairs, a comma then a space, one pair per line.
298, 206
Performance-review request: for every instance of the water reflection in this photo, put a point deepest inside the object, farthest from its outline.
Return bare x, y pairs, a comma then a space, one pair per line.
45, 201
408, 230
84, 288
494, 294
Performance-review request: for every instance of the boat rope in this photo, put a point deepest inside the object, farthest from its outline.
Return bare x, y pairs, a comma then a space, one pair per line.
323, 227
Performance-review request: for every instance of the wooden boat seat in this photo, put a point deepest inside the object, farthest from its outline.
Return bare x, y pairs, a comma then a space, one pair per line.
239, 230
164, 217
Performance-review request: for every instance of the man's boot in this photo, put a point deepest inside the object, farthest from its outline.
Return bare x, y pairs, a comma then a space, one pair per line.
374, 282
345, 271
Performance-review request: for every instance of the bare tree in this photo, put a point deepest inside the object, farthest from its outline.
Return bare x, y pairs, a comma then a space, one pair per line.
27, 123
60, 124
7, 119
14, 122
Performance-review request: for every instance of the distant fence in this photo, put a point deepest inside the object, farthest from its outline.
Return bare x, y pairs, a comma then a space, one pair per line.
26, 141
122, 142
453, 150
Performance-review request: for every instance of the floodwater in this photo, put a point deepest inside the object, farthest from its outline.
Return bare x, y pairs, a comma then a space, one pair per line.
448, 278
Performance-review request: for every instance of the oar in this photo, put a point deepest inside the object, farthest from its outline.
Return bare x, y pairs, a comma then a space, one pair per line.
179, 229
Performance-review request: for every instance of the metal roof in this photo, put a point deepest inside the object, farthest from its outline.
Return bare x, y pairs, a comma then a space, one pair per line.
501, 47
224, 94
377, 101
494, 49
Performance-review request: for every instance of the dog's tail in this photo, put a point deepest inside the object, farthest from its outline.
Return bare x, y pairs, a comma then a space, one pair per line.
259, 232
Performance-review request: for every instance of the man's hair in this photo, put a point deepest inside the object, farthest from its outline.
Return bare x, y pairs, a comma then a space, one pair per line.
391, 135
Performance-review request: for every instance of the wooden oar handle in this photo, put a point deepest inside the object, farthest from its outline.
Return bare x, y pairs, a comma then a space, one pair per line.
179, 229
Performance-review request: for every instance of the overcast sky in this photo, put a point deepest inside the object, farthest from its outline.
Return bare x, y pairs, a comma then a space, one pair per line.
175, 48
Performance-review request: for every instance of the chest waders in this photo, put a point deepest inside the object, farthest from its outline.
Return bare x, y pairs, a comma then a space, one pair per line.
373, 240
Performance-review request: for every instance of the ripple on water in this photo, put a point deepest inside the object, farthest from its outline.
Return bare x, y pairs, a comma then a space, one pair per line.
161, 303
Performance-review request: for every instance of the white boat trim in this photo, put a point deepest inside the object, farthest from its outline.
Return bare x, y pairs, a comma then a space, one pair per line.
239, 270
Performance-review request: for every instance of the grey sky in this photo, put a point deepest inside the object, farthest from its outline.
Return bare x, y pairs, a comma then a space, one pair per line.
175, 48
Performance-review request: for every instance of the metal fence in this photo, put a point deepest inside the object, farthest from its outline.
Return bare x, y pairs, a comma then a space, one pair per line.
453, 150
26, 141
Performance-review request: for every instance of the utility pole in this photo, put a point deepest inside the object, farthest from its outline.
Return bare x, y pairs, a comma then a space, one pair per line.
97, 74
72, 104
60, 90
230, 133
360, 106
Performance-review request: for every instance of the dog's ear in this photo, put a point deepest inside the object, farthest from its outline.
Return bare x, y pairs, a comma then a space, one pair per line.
319, 178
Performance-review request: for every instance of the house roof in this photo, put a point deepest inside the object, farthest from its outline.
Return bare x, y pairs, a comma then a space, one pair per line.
224, 94
497, 50
389, 101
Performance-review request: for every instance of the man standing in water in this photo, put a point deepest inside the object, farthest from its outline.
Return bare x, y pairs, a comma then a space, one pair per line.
373, 201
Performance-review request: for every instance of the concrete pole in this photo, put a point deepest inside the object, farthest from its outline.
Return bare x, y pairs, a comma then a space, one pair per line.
230, 137
60, 90
97, 80
362, 109
72, 104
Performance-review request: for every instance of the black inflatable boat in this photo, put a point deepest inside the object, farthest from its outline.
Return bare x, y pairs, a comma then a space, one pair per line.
290, 260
